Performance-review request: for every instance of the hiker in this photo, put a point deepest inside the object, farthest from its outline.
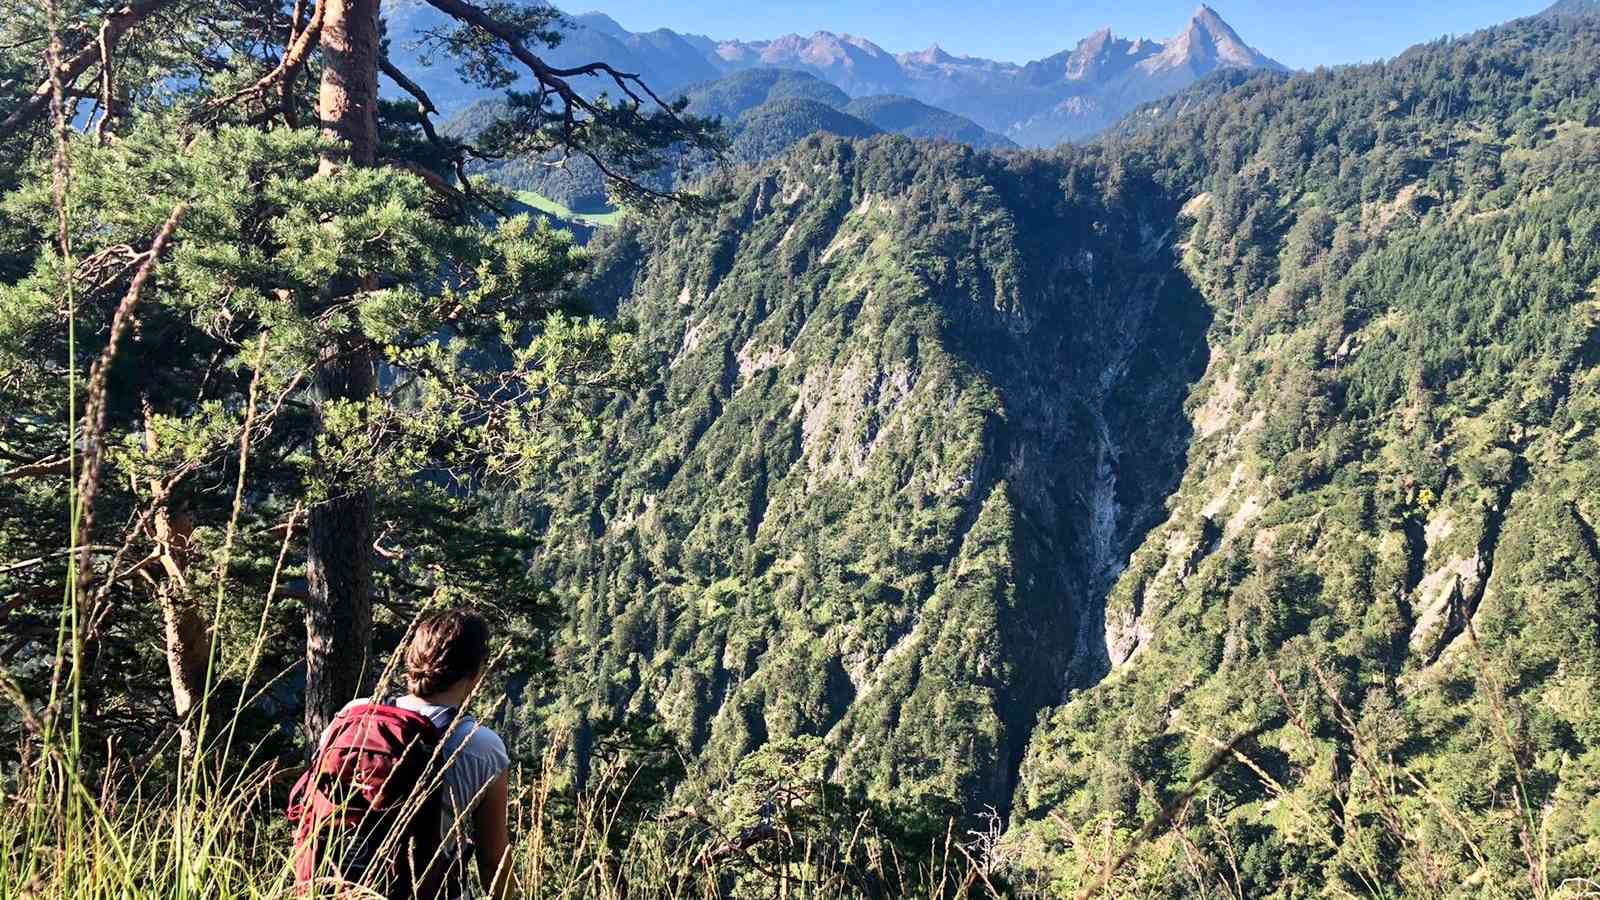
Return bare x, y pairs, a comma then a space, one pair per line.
376, 755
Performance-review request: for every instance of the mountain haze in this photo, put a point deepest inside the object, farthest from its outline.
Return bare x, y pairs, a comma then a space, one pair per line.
764, 111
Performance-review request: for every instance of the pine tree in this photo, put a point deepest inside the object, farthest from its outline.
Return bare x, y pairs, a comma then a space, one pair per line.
338, 324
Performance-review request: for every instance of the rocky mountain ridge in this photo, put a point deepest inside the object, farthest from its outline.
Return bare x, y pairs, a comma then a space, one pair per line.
1067, 96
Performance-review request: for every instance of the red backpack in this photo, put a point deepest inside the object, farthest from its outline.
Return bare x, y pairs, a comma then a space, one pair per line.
369, 808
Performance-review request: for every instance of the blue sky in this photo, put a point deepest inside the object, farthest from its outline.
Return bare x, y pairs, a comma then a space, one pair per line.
1299, 34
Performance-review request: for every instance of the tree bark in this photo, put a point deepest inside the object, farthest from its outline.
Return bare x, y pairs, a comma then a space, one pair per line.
186, 631
188, 635
348, 99
339, 530
339, 570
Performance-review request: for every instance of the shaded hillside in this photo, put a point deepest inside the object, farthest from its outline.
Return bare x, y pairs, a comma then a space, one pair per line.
769, 129
730, 96
913, 118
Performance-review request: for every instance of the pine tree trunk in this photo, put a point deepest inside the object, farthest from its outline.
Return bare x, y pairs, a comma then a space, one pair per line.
339, 567
339, 531
187, 634
349, 97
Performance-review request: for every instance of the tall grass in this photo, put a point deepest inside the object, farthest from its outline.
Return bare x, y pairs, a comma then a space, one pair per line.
226, 837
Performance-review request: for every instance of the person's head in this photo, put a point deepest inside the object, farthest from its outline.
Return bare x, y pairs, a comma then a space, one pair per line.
447, 648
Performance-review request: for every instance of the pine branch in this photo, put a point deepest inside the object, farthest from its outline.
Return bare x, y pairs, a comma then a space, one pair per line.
294, 56
117, 23
555, 81
456, 155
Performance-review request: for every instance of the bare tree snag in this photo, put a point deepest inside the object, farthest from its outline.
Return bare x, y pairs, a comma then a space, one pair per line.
117, 22
186, 632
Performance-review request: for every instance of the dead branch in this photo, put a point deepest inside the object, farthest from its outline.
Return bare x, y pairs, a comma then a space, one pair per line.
19, 565
106, 41
291, 116
59, 465
94, 415
117, 23
294, 56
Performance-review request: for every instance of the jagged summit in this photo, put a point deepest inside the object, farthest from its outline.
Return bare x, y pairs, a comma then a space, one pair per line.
1209, 43
935, 55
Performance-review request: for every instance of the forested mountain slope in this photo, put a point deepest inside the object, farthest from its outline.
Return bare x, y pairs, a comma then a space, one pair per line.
1025, 481
1382, 552
870, 496
913, 118
765, 111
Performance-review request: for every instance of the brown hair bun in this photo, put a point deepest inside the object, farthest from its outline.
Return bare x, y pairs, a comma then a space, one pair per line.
447, 647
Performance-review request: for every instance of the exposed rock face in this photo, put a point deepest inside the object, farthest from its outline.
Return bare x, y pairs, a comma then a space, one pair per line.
882, 489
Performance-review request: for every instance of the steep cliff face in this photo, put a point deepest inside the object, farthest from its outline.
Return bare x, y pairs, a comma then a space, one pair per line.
1378, 565
881, 489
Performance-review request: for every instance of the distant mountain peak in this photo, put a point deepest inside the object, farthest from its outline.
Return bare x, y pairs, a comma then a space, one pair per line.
1208, 43
1208, 20
602, 23
935, 55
